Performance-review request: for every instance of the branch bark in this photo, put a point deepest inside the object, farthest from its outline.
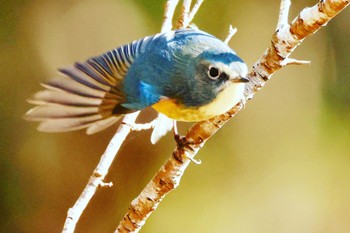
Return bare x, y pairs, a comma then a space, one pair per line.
286, 38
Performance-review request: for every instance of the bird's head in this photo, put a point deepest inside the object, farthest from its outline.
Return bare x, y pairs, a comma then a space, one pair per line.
214, 72
221, 69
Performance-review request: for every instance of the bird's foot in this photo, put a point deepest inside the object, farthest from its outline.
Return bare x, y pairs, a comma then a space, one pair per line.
182, 142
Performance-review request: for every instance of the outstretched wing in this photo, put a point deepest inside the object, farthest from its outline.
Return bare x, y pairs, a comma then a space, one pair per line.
89, 95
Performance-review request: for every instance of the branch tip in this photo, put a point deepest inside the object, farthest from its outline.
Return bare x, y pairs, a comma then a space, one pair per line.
292, 61
195, 161
231, 32
194, 10
104, 184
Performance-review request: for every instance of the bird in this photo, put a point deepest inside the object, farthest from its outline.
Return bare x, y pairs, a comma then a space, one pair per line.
186, 74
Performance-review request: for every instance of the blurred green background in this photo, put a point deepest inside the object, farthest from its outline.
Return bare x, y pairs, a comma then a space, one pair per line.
282, 165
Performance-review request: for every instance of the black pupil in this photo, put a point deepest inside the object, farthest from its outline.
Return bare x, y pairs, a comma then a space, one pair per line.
214, 72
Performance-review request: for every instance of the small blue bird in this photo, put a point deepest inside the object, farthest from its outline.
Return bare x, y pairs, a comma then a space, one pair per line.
187, 75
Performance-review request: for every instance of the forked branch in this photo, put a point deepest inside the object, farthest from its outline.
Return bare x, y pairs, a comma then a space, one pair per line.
286, 38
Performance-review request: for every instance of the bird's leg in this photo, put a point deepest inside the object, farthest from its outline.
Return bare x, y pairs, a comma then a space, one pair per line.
182, 142
243, 102
176, 132
179, 139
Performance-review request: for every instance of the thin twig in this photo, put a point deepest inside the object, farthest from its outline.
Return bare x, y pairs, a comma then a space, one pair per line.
231, 32
183, 21
292, 61
169, 10
169, 175
194, 10
100, 172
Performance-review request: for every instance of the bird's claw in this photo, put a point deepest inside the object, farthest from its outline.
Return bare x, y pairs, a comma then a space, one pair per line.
197, 162
182, 142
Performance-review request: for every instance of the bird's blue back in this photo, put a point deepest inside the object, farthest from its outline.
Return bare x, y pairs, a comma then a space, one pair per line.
164, 66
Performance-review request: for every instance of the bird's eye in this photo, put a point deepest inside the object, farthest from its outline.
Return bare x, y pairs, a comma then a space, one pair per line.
213, 72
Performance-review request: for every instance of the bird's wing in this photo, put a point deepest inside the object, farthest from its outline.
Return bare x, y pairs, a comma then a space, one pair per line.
89, 95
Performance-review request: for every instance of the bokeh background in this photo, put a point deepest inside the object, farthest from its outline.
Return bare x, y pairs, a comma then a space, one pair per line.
282, 165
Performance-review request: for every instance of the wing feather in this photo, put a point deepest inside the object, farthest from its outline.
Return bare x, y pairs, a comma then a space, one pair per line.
90, 93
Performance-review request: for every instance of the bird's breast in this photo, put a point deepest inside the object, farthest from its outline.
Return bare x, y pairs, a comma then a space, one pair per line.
224, 101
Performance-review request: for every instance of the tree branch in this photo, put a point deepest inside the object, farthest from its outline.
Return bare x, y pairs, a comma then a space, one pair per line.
284, 41
100, 172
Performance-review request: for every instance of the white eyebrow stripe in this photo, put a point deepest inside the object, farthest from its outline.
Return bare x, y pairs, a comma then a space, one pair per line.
239, 68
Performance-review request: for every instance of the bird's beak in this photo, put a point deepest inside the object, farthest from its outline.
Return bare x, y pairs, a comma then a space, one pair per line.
240, 80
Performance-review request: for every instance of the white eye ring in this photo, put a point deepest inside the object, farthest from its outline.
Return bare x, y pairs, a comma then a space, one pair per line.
214, 72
